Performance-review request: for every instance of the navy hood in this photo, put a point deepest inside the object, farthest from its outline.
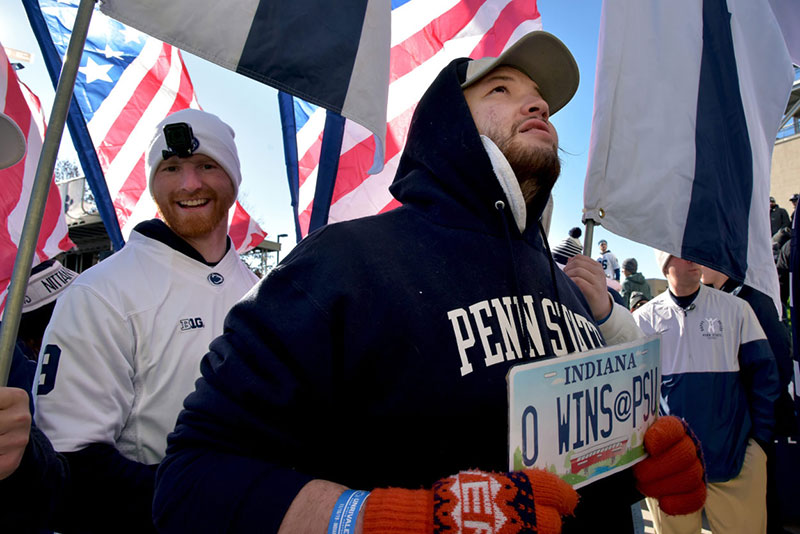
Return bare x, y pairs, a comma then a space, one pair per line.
444, 169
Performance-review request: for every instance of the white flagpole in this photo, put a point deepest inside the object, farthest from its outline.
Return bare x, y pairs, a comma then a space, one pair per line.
41, 187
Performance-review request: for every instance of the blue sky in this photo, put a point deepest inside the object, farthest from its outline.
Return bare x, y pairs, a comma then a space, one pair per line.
251, 109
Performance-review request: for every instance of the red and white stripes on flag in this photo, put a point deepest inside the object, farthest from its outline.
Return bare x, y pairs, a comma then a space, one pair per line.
426, 36
19, 103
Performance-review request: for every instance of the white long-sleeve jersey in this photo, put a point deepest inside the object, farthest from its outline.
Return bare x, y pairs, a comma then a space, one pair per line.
124, 344
610, 264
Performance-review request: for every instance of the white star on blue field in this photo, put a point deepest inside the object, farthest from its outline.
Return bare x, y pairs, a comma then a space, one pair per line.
110, 48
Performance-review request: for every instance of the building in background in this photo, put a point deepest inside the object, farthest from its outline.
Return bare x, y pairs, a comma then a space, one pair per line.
785, 175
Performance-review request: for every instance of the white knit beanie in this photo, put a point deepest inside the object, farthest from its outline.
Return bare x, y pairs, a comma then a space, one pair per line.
662, 258
214, 139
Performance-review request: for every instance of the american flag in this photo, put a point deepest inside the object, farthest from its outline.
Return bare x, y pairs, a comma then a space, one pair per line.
126, 84
426, 36
19, 103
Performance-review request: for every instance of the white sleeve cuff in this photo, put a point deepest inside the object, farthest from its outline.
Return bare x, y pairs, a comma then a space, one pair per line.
620, 327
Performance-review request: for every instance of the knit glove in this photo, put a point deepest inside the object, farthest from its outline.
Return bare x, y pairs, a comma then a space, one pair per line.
474, 501
674, 472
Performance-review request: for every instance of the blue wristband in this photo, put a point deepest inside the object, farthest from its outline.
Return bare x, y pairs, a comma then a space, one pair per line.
345, 512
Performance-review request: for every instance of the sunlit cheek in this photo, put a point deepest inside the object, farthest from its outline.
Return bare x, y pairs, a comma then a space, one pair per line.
495, 118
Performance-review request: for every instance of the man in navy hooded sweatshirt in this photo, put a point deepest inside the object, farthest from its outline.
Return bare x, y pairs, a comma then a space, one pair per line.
375, 356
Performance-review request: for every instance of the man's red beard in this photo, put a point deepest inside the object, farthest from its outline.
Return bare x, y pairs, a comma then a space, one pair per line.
536, 168
188, 225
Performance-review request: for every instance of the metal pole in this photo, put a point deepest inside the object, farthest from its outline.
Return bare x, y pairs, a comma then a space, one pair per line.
789, 115
263, 263
587, 242
278, 252
41, 188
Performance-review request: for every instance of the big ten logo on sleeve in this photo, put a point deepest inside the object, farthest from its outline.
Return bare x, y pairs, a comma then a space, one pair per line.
48, 369
191, 323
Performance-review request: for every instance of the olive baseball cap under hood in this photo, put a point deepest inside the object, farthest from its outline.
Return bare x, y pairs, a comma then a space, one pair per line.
543, 58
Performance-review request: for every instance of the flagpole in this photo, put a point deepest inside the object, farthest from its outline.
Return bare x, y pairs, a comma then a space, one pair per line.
789, 115
587, 242
41, 188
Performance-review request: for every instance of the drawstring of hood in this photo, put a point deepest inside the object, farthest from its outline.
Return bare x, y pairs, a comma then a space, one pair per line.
516, 202
559, 312
520, 318
508, 181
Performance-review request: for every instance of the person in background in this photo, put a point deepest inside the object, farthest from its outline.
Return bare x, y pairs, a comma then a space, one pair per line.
778, 218
571, 247
123, 347
47, 281
32, 474
568, 247
637, 300
33, 484
608, 260
634, 281
719, 374
781, 344
784, 267
781, 237
793, 200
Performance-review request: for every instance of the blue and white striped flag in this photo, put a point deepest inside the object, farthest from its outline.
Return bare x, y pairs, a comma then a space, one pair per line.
788, 14
332, 54
688, 99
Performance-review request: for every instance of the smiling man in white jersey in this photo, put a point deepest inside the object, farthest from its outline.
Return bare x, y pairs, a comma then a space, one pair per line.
123, 347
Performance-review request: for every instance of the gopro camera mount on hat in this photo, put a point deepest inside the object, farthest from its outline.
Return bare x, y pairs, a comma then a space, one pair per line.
180, 140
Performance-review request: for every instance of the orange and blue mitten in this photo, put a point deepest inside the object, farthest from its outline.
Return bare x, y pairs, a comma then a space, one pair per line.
531, 500
674, 473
